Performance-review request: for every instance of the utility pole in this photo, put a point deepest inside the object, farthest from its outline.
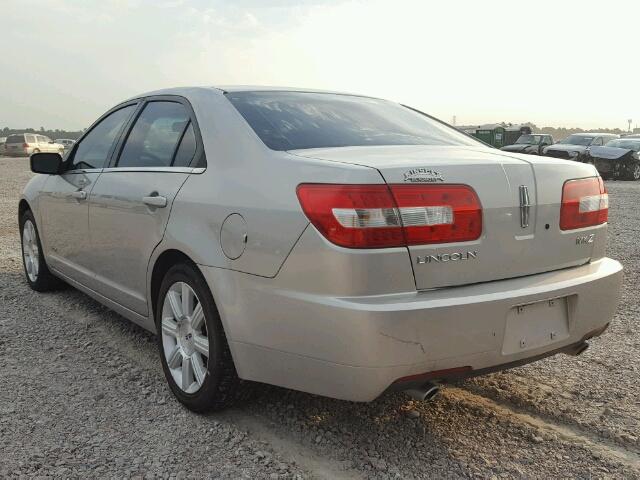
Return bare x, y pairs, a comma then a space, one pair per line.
454, 121
630, 122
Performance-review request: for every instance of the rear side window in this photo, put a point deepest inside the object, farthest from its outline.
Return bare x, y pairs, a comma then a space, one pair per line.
93, 150
154, 138
30, 138
15, 139
187, 148
300, 120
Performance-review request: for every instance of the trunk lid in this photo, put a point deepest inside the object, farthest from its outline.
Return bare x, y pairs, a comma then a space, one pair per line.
510, 245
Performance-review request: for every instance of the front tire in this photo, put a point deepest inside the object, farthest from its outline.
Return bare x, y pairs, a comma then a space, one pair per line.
38, 275
193, 347
634, 172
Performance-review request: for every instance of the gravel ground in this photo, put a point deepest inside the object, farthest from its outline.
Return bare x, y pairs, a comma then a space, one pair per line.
82, 395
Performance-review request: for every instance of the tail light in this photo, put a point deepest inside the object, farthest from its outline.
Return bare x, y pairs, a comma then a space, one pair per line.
377, 216
585, 203
25, 145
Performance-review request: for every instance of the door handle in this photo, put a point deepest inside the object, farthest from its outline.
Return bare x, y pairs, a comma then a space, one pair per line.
155, 201
80, 195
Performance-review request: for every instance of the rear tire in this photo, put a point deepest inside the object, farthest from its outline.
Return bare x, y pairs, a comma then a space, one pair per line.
192, 343
36, 271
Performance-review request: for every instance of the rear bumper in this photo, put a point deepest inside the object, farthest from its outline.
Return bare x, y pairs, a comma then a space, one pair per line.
355, 348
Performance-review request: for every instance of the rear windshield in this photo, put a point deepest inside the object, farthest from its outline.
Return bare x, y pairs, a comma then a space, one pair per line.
621, 143
577, 140
300, 120
15, 139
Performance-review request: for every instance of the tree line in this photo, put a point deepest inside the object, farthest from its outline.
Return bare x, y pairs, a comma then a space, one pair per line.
53, 134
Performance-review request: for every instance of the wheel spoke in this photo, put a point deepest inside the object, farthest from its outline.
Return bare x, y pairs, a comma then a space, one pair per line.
199, 371
175, 359
176, 304
36, 265
187, 299
197, 317
169, 327
201, 344
187, 374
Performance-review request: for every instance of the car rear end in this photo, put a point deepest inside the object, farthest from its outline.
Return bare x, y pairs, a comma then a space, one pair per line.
456, 261
20, 145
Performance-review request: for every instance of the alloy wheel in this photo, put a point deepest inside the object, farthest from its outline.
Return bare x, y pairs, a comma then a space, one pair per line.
636, 172
30, 251
185, 338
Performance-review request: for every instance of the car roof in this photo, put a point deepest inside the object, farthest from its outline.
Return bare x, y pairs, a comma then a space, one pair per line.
594, 134
240, 88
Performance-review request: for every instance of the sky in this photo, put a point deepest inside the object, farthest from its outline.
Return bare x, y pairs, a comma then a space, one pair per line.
554, 63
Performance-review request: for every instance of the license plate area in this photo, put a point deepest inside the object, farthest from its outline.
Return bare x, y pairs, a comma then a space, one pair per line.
536, 325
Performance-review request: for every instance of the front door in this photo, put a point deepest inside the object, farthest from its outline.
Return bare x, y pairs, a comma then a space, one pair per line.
130, 204
63, 204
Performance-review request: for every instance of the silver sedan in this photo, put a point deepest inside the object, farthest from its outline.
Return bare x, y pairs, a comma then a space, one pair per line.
336, 244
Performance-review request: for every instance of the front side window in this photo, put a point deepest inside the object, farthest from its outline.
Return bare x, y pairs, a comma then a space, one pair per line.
301, 120
154, 138
93, 150
597, 141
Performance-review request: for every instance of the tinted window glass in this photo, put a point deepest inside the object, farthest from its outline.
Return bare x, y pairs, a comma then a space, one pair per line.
155, 136
15, 139
93, 150
297, 120
187, 148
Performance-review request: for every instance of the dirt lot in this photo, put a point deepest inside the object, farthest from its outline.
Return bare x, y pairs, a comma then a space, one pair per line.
82, 394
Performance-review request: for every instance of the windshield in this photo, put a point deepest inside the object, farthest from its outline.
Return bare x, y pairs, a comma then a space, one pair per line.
299, 120
629, 144
529, 139
577, 140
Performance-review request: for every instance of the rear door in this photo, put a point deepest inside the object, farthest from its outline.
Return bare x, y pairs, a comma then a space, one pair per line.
131, 201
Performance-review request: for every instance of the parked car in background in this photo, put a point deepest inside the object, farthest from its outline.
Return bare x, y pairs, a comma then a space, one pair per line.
25, 144
618, 159
532, 144
336, 244
576, 146
65, 142
3, 140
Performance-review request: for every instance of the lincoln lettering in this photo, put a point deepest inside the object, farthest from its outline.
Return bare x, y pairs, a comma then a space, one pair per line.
447, 257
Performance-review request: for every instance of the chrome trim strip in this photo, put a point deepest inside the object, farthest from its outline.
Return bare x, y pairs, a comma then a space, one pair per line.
151, 169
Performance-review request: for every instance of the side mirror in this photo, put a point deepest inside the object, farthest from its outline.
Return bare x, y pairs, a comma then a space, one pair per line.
48, 163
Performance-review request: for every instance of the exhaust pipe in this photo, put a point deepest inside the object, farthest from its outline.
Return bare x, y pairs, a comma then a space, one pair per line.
578, 349
425, 392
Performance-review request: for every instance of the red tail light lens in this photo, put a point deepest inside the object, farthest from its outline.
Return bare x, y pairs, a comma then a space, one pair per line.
376, 216
25, 145
585, 203
438, 213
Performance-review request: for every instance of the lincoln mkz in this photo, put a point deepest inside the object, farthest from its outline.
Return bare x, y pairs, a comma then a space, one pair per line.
335, 244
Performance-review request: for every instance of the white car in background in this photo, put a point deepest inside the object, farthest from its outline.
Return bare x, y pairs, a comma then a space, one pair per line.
67, 143
25, 144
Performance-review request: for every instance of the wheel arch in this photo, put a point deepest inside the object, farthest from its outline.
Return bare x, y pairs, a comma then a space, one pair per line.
23, 206
161, 266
